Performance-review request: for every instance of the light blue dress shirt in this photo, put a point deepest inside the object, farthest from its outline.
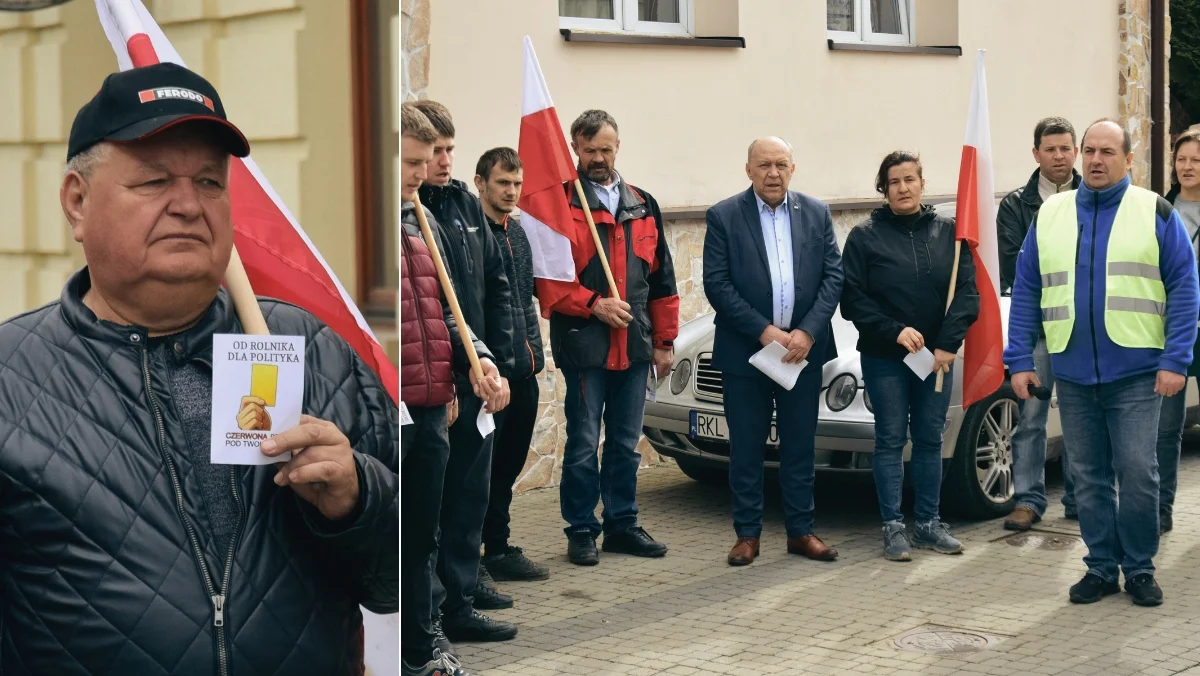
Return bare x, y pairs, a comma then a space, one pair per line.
610, 195
777, 236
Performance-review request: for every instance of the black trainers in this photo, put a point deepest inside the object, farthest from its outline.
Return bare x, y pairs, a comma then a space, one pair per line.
513, 566
1165, 523
477, 627
581, 548
1144, 590
1092, 588
490, 599
443, 644
485, 577
635, 541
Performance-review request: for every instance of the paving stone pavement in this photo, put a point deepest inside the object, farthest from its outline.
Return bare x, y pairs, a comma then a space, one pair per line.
691, 614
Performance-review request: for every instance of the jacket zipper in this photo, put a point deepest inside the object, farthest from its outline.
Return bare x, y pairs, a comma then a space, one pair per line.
218, 600
512, 257
412, 280
1092, 289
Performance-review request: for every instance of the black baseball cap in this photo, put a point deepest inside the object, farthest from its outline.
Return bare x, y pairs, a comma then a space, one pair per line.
140, 102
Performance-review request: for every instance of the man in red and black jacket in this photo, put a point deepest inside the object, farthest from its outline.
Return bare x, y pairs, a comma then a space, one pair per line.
605, 346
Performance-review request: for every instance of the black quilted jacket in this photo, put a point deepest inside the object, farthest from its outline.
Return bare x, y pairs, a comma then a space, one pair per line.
100, 574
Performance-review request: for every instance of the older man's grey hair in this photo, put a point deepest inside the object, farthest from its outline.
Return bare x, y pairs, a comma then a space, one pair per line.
750, 150
85, 162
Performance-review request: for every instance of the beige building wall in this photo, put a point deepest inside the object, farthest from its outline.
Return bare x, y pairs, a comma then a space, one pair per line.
283, 69
688, 113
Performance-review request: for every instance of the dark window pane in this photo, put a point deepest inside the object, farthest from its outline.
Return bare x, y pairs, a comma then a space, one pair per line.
387, 221
664, 11
839, 15
885, 17
586, 9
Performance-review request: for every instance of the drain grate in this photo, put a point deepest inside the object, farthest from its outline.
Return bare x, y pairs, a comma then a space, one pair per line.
938, 640
1042, 540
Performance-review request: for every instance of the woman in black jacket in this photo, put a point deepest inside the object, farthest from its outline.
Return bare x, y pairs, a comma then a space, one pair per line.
898, 266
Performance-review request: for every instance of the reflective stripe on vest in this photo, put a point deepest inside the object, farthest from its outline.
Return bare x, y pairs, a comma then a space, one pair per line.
1135, 298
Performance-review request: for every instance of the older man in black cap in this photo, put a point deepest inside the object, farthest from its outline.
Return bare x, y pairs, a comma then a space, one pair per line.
126, 550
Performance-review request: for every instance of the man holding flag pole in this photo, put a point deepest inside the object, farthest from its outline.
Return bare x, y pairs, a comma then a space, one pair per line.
591, 238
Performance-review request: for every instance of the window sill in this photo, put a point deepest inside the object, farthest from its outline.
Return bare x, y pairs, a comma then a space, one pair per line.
574, 35
898, 49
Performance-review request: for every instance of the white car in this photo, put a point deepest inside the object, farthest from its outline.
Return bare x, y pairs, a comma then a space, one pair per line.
686, 421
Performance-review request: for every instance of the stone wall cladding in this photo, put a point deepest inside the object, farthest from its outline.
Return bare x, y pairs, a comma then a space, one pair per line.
1133, 83
414, 49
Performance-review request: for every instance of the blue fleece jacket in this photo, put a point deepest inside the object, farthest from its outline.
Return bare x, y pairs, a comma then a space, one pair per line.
1090, 357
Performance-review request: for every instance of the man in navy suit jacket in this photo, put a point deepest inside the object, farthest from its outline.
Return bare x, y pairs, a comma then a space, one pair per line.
772, 272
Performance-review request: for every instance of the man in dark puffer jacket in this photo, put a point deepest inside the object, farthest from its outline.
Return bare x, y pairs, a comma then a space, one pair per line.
431, 350
498, 178
126, 551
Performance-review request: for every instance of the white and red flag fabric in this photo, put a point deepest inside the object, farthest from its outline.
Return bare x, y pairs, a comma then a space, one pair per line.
279, 258
545, 211
975, 215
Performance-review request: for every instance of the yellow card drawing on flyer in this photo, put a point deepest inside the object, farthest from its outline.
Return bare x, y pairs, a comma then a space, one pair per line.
258, 392
264, 378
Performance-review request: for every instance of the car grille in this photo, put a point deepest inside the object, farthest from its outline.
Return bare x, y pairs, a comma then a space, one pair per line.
707, 383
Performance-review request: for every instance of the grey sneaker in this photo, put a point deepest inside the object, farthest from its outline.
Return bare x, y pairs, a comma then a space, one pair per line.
935, 535
896, 546
441, 665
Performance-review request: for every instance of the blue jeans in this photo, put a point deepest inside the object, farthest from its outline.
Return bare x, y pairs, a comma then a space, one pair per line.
749, 403
1170, 438
1104, 427
904, 403
619, 399
1029, 446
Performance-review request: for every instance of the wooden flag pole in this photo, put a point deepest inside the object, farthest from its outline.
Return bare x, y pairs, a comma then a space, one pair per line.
587, 212
937, 386
448, 289
244, 300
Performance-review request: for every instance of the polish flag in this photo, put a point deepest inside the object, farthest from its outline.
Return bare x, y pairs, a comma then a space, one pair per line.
280, 260
545, 211
975, 215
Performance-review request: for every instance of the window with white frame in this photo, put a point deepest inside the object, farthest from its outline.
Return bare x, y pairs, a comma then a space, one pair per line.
879, 21
669, 17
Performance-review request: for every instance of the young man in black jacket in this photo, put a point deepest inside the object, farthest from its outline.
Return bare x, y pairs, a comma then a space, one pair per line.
498, 178
1055, 150
477, 273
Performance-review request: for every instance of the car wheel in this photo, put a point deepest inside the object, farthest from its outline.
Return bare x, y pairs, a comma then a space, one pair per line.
703, 472
979, 484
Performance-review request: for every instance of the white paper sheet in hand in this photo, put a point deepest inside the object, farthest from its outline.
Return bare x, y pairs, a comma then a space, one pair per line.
921, 362
769, 360
485, 423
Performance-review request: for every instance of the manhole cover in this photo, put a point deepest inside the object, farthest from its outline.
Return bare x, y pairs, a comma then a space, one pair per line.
943, 641
1052, 541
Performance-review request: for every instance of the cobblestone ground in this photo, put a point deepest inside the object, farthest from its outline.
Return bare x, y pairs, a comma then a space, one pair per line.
690, 613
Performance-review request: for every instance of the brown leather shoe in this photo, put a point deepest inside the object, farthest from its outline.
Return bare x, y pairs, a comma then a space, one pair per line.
811, 546
743, 552
1022, 518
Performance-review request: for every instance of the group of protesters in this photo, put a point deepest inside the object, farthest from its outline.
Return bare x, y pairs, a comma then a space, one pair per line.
1091, 245
457, 478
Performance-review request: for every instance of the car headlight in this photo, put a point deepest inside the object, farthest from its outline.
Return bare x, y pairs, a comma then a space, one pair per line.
680, 376
841, 392
867, 400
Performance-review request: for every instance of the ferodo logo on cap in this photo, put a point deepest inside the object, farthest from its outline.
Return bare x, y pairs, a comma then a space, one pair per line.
148, 95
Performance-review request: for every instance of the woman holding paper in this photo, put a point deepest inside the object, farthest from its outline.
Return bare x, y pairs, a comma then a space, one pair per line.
898, 268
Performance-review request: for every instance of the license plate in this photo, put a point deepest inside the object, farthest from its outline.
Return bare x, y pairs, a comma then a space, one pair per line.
708, 426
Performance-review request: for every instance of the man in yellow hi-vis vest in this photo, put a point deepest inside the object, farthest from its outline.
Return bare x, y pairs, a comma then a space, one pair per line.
1108, 273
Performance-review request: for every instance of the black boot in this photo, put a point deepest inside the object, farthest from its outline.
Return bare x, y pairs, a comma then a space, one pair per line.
474, 626
635, 541
581, 549
512, 565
